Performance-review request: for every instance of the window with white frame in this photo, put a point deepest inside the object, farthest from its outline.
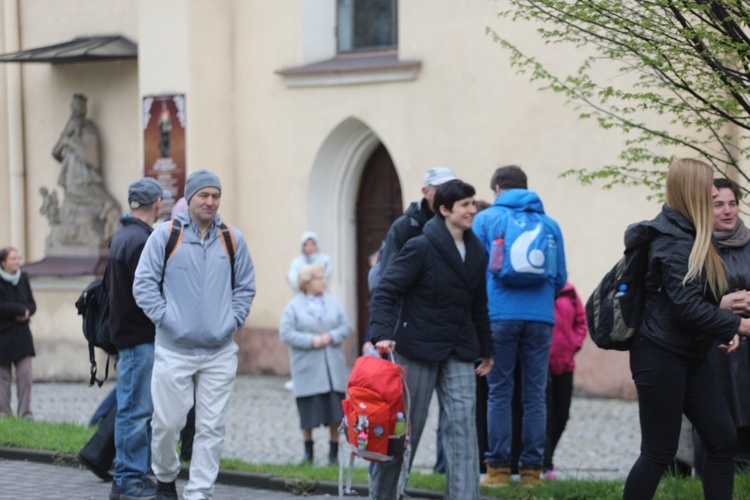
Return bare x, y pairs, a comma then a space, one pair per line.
366, 24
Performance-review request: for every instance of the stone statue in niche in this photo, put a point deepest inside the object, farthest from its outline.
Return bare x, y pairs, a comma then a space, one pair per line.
89, 215
50, 206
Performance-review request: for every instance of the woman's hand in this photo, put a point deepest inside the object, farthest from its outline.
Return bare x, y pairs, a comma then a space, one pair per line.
321, 340
484, 367
732, 345
385, 346
317, 341
23, 318
744, 327
737, 302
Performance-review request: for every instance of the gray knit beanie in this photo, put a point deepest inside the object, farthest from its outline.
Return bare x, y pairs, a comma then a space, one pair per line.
200, 179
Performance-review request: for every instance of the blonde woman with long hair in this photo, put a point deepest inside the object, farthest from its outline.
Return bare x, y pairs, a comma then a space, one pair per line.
684, 284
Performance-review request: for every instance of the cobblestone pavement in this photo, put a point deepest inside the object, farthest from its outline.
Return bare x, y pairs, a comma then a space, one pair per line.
35, 481
600, 442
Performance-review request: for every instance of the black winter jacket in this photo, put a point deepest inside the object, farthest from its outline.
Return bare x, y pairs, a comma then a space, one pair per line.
443, 299
128, 325
406, 227
684, 319
734, 370
15, 336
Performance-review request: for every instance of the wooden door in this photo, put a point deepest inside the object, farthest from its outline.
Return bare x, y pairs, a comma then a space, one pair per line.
378, 205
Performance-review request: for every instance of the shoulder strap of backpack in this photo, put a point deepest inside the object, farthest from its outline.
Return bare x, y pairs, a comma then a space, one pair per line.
175, 237
229, 246
92, 356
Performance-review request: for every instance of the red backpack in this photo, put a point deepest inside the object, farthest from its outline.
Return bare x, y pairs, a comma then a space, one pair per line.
376, 421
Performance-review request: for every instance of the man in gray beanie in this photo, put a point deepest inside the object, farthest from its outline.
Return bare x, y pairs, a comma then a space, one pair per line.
200, 179
197, 296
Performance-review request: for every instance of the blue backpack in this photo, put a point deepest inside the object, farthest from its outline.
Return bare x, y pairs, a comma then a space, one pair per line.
525, 252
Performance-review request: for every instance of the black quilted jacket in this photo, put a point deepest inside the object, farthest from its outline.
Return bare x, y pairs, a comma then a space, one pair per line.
680, 318
431, 302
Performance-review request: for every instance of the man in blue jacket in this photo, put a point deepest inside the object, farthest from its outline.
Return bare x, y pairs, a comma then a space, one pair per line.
522, 312
197, 297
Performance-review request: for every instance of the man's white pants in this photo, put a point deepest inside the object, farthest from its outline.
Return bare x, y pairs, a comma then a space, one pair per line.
174, 379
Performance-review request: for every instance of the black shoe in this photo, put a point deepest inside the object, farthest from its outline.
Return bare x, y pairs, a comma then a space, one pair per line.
100, 472
166, 491
308, 458
139, 490
333, 453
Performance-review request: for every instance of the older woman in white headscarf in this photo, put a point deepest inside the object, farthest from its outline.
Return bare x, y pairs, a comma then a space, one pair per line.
310, 255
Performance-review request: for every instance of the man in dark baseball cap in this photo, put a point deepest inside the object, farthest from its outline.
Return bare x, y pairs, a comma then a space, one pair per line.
133, 333
146, 191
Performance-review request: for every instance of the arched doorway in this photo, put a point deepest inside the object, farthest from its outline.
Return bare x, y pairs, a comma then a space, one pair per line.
378, 205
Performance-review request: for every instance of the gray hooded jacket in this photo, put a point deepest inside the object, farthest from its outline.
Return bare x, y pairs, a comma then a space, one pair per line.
198, 310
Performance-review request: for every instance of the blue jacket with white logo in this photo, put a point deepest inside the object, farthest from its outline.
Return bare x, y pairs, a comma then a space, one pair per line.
532, 303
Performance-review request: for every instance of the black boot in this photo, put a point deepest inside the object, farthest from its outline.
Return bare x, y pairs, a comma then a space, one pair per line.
333, 453
308, 453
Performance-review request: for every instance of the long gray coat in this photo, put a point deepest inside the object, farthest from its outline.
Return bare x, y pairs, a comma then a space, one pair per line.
315, 371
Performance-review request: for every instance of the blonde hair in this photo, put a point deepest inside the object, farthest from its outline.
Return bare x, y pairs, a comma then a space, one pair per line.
689, 184
307, 273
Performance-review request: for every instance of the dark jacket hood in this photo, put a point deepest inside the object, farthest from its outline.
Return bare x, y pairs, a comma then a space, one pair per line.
669, 221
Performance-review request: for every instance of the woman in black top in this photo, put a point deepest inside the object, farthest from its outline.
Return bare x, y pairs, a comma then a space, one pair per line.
431, 306
16, 346
684, 284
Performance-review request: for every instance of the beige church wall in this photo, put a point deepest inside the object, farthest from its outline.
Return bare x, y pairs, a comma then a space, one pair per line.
5, 202
467, 109
111, 88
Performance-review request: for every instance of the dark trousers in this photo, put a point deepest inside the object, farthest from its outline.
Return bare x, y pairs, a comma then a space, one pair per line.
559, 396
667, 385
100, 450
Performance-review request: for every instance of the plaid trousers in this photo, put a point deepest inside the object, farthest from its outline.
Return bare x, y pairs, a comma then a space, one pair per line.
455, 382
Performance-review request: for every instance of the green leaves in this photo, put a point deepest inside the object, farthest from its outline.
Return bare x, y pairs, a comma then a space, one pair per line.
666, 73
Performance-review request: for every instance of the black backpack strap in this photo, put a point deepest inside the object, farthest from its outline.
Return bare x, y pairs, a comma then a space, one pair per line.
229, 247
175, 234
92, 358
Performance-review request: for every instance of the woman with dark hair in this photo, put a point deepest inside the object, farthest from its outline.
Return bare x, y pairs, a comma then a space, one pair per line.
430, 307
684, 283
733, 242
16, 345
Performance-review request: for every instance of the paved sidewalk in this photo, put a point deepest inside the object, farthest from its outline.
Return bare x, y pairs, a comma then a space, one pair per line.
35, 481
601, 441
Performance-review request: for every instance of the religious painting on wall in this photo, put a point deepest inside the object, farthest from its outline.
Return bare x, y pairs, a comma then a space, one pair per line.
164, 123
